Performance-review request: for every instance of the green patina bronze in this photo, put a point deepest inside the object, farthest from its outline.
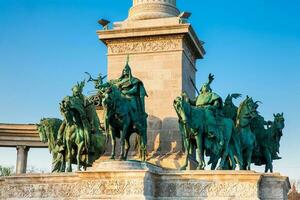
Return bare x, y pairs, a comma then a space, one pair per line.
123, 100
222, 131
227, 134
48, 129
268, 136
193, 125
96, 98
246, 113
78, 139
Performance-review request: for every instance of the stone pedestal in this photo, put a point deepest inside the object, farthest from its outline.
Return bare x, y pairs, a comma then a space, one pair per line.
135, 181
164, 146
163, 52
21, 165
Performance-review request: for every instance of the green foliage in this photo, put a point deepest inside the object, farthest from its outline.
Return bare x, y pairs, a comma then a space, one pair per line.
6, 171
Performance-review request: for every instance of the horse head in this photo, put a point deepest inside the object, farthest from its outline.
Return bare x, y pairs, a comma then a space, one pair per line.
111, 97
41, 128
48, 131
228, 101
177, 104
246, 112
108, 97
65, 109
278, 121
182, 107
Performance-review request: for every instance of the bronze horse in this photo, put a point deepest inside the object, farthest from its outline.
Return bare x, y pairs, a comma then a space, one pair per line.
192, 127
119, 123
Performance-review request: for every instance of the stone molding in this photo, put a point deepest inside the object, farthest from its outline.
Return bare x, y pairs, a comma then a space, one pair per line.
152, 45
171, 2
152, 10
143, 34
13, 135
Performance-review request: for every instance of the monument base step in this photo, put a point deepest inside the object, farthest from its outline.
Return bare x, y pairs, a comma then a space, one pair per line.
135, 180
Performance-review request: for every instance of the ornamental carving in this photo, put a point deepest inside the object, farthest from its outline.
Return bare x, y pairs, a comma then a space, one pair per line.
74, 190
208, 189
175, 187
144, 45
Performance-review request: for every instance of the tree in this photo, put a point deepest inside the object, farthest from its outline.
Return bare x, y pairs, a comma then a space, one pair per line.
6, 171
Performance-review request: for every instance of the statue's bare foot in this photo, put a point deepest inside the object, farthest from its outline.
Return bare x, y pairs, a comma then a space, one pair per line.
183, 168
112, 157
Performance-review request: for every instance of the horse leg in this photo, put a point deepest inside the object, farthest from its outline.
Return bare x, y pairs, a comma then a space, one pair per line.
239, 158
237, 151
232, 159
224, 156
122, 141
69, 167
244, 155
127, 147
199, 151
113, 145
79, 152
63, 160
249, 157
143, 145
186, 153
269, 165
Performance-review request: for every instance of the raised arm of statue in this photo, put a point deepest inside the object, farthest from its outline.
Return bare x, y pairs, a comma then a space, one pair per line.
211, 78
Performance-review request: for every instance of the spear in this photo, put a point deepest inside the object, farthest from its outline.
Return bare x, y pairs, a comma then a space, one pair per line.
194, 85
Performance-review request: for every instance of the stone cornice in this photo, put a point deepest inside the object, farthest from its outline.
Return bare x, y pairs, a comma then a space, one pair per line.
198, 49
13, 135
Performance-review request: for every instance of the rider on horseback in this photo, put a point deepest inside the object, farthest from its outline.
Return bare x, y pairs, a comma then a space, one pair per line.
212, 103
133, 89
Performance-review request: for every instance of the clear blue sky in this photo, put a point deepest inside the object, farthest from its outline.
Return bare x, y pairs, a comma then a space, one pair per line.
253, 47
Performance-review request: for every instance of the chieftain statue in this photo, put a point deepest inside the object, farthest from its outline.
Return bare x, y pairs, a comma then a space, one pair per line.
227, 134
123, 100
229, 109
78, 139
212, 104
201, 119
268, 136
236, 135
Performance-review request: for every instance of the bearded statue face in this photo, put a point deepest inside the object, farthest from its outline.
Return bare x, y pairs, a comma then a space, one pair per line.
205, 89
76, 91
126, 72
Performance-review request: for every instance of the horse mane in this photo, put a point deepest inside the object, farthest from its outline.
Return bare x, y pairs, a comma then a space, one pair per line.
240, 108
52, 125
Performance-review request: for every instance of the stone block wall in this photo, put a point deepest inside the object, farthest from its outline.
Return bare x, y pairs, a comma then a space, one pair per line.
135, 181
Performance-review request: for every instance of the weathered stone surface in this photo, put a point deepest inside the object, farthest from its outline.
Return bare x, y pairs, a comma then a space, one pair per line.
135, 180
